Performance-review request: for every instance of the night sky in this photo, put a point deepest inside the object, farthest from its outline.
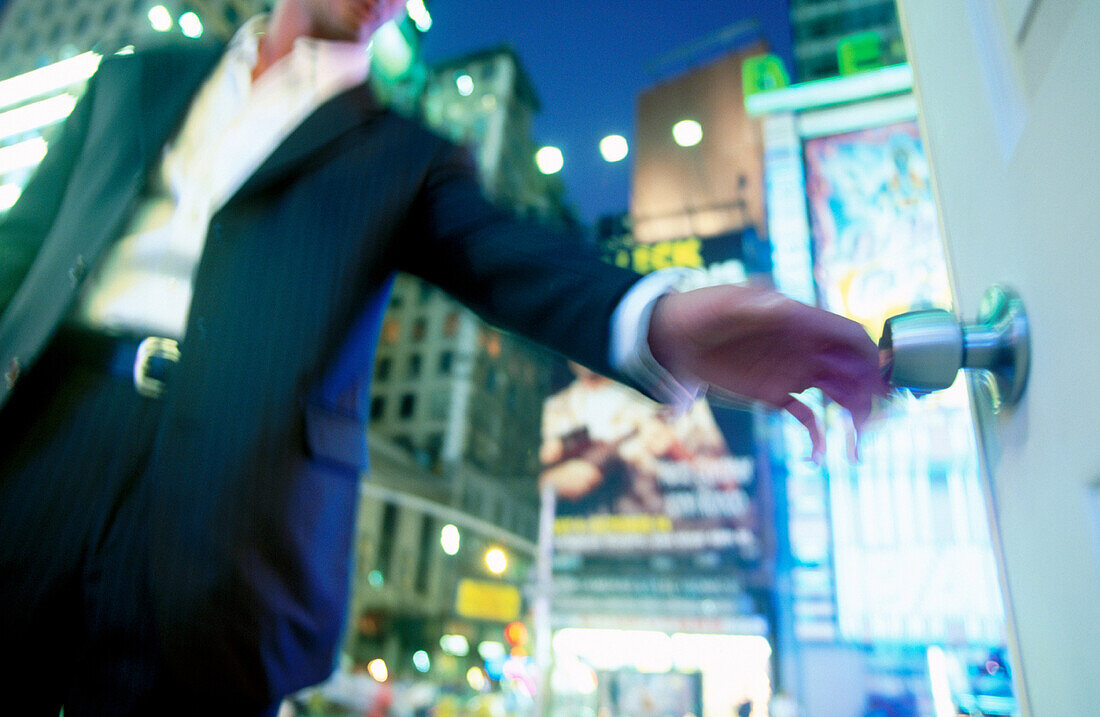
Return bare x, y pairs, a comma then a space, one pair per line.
588, 61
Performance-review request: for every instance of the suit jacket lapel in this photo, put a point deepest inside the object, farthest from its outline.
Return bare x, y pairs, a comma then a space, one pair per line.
332, 119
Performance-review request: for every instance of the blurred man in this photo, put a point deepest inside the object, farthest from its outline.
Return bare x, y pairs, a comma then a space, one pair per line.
191, 287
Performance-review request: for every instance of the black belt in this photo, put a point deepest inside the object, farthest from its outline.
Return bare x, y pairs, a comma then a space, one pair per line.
145, 360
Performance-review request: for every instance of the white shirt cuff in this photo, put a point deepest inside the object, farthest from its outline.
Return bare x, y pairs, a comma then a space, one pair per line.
630, 354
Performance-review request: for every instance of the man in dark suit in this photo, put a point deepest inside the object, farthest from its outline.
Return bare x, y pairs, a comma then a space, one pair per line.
190, 291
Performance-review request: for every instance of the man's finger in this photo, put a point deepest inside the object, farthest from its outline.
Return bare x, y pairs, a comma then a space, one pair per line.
808, 418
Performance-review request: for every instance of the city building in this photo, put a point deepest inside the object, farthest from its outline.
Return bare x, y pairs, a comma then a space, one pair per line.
707, 180
834, 37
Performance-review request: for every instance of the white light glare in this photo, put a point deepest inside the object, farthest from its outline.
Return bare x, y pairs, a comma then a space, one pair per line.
476, 679
465, 85
614, 147
496, 561
160, 19
421, 661
22, 155
491, 650
48, 79
419, 14
942, 702
687, 133
378, 670
190, 24
549, 160
392, 52
36, 115
456, 645
450, 539
9, 195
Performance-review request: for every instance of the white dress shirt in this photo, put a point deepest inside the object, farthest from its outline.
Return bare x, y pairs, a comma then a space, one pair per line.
234, 124
144, 284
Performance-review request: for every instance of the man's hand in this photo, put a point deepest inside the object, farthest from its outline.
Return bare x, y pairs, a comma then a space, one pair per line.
766, 347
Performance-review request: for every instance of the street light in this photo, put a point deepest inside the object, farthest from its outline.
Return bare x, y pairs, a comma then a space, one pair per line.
465, 85
496, 561
160, 19
378, 670
549, 160
613, 147
687, 133
450, 539
190, 25
419, 14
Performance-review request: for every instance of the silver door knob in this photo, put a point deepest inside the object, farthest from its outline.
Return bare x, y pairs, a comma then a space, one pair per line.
924, 350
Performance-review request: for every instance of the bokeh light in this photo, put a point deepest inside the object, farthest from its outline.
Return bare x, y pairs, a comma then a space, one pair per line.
549, 160
687, 133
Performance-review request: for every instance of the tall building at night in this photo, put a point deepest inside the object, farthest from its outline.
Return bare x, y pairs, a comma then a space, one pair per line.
35, 33
455, 404
706, 187
819, 27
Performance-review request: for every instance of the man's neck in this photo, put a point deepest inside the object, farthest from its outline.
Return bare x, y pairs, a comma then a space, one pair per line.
289, 21
287, 24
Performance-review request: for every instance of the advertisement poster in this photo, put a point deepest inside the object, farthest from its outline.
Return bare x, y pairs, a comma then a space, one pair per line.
632, 477
912, 555
876, 239
658, 522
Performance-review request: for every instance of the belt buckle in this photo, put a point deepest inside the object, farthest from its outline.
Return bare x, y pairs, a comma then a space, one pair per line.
150, 349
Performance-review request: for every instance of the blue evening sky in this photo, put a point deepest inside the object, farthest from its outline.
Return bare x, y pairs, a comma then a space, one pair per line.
588, 61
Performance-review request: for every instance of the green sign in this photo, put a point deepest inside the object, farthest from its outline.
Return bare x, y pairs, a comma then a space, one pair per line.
859, 52
761, 73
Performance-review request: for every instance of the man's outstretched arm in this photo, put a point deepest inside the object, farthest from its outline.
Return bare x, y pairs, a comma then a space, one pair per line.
765, 347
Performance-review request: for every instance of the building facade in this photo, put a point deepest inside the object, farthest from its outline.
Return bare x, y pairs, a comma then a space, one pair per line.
819, 27
709, 188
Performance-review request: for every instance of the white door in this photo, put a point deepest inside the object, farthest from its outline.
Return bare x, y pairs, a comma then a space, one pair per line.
1009, 94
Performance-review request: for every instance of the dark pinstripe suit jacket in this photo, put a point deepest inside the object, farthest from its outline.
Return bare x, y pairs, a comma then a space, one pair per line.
254, 472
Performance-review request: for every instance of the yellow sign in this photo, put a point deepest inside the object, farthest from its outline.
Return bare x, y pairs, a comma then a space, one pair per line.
483, 600
645, 258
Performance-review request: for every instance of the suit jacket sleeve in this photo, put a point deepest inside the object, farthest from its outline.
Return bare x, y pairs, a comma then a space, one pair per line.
548, 286
26, 225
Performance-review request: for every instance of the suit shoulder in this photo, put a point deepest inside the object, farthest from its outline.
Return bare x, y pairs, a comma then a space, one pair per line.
416, 128
167, 58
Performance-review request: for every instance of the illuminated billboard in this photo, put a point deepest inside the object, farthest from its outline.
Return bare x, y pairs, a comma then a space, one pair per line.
876, 240
630, 476
911, 548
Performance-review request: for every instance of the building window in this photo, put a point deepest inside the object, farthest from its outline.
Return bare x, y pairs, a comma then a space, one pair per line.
382, 368
434, 447
415, 362
491, 340
391, 331
387, 538
420, 329
377, 407
446, 359
426, 291
450, 325
408, 406
427, 547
